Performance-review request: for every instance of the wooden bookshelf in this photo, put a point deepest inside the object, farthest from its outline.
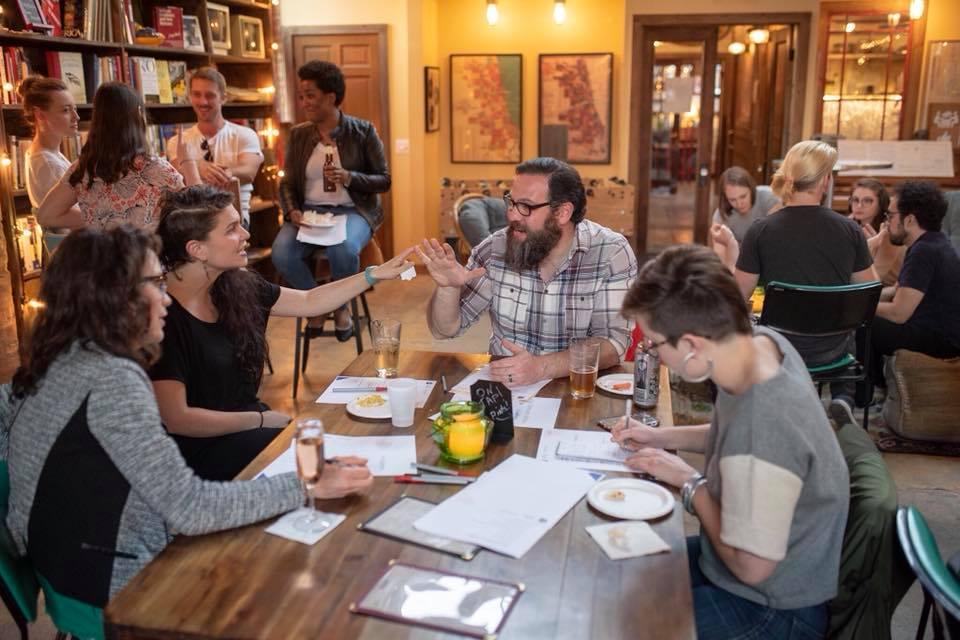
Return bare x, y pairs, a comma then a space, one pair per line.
241, 72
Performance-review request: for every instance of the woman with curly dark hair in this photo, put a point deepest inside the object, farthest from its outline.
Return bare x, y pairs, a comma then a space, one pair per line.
117, 178
214, 352
97, 488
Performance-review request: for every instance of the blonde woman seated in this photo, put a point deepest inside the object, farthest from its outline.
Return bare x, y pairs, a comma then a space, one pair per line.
216, 343
772, 499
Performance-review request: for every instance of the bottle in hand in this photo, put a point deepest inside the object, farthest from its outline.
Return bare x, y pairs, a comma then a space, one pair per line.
329, 186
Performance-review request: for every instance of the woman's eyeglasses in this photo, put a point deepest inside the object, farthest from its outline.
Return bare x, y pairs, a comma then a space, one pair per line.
160, 282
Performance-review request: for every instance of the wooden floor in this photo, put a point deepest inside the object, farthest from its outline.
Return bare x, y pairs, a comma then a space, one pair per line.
931, 483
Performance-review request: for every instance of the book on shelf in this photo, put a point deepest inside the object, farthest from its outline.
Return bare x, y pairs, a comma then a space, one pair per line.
144, 77
192, 35
164, 89
51, 13
17, 148
15, 68
71, 145
157, 137
73, 18
29, 243
169, 22
69, 67
178, 80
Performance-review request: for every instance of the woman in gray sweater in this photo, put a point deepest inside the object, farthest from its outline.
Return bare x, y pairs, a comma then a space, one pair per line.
97, 487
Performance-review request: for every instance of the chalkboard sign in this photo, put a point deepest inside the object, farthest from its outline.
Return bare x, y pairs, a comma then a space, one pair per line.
497, 403
32, 16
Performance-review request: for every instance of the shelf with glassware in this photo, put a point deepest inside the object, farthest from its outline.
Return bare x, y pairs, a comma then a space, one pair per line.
125, 46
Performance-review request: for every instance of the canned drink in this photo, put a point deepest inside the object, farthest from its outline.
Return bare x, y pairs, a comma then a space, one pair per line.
646, 379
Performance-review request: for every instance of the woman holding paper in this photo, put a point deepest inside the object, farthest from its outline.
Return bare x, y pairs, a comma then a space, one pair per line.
97, 488
216, 345
772, 500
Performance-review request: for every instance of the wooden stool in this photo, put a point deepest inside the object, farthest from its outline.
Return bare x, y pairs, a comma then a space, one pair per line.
370, 256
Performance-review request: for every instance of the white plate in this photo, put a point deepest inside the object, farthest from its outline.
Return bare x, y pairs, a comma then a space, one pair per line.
642, 500
606, 383
381, 412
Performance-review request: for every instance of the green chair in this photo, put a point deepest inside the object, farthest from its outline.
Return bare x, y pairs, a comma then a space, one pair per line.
81, 620
941, 587
18, 584
805, 310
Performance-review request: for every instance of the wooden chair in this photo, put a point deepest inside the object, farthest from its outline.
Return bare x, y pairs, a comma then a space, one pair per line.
370, 256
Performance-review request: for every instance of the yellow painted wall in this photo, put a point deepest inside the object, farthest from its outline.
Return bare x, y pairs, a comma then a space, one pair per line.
426, 32
526, 27
943, 23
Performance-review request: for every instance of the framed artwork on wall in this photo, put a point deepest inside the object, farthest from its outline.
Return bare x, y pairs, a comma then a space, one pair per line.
218, 20
486, 108
431, 98
246, 37
32, 15
576, 107
942, 96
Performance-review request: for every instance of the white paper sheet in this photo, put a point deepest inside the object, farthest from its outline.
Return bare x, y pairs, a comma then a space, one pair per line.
286, 526
325, 236
593, 449
386, 455
524, 392
370, 384
511, 507
536, 413
621, 540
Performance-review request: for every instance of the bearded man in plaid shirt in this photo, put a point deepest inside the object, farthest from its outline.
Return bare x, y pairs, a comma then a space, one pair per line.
550, 276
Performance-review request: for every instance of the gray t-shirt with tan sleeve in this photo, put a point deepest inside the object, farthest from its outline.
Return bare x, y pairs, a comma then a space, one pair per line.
774, 465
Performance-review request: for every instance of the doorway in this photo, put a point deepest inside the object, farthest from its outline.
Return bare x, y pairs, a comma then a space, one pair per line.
697, 108
361, 53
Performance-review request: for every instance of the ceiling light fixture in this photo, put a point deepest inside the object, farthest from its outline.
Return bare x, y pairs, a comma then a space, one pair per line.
758, 35
492, 13
916, 9
560, 11
736, 48
850, 27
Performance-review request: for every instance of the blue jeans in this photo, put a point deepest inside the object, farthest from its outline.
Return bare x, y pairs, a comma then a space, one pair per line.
290, 255
720, 614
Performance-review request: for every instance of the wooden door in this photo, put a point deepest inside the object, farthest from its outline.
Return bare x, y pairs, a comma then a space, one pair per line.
778, 70
362, 58
690, 201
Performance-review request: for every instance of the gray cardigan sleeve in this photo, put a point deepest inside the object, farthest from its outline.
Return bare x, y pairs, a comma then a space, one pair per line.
124, 418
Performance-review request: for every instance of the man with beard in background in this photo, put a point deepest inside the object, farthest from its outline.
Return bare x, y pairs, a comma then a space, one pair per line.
548, 277
924, 315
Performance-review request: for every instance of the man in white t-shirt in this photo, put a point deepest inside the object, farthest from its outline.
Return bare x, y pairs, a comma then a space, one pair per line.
225, 150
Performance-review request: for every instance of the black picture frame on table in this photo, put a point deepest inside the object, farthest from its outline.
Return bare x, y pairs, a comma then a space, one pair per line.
552, 139
32, 14
431, 98
457, 129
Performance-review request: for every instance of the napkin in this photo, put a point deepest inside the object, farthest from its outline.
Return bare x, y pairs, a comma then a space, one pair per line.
629, 539
284, 527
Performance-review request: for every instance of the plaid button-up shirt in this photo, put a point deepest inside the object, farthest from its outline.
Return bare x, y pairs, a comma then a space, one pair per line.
582, 299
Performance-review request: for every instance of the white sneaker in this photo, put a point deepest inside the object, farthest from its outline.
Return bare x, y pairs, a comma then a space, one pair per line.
841, 412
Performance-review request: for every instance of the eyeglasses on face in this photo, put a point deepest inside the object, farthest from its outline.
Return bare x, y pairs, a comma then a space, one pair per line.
160, 282
864, 201
650, 345
523, 208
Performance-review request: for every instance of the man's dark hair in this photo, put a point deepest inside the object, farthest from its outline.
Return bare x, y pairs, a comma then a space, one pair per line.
564, 184
924, 201
326, 75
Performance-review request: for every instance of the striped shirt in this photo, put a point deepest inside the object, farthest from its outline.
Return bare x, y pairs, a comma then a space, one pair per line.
582, 299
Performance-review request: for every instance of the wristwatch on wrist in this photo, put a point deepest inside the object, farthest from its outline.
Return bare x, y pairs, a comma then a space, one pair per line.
370, 278
689, 489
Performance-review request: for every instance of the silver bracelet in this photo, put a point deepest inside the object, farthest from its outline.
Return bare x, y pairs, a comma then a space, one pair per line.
689, 489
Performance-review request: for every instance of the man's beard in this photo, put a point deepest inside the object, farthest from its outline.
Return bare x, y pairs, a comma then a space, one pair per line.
899, 239
530, 252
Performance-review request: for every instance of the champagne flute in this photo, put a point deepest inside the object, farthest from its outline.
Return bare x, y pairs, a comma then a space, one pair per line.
309, 449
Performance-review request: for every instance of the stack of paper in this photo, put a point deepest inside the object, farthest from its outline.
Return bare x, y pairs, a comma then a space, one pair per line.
582, 449
386, 455
511, 507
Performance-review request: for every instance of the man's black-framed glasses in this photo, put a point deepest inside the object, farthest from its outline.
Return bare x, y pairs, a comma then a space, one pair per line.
650, 345
522, 208
207, 151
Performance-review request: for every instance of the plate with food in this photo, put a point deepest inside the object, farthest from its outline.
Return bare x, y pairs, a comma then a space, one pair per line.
321, 220
370, 406
620, 384
631, 499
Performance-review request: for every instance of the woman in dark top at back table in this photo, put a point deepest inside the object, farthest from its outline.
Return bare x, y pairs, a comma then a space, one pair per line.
215, 345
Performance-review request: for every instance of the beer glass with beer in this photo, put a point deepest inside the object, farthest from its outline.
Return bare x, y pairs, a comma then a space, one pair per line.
386, 346
584, 361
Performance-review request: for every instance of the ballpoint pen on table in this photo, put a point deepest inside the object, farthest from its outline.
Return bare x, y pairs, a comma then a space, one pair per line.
433, 479
443, 381
440, 470
358, 389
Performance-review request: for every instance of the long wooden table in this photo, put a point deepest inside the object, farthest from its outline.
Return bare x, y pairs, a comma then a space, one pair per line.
246, 583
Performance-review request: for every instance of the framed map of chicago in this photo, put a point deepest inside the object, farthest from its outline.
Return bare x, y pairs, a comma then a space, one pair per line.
486, 107
575, 107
